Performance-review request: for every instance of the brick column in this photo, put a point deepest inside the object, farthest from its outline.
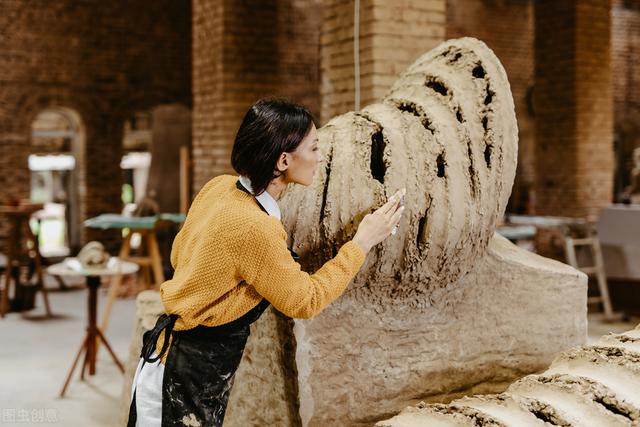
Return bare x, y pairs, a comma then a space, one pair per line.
207, 90
392, 35
574, 107
243, 51
102, 184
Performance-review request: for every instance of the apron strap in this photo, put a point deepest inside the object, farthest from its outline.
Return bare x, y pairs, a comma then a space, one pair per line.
164, 322
133, 412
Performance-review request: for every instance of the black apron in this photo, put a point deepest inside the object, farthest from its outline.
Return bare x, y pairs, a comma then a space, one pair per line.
200, 366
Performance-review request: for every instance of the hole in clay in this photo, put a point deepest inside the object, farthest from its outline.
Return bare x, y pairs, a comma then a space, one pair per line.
324, 195
423, 229
472, 169
409, 108
487, 155
440, 163
459, 115
438, 87
427, 125
489, 97
326, 185
412, 108
612, 408
478, 72
421, 225
542, 416
378, 168
485, 123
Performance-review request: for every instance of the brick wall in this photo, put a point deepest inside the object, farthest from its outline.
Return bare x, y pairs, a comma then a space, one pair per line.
507, 27
574, 105
103, 60
392, 36
209, 141
106, 60
244, 51
625, 57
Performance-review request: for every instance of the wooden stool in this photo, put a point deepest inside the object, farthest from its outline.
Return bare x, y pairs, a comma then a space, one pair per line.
21, 241
93, 335
151, 261
588, 238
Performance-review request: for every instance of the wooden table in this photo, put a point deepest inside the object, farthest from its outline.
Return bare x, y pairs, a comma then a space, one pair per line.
21, 241
517, 232
146, 226
544, 221
93, 334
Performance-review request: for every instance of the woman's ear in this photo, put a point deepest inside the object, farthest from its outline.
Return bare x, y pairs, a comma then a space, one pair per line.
283, 162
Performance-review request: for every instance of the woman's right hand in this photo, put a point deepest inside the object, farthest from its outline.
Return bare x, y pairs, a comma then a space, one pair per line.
377, 226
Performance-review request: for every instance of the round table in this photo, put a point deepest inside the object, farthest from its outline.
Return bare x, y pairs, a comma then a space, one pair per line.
72, 267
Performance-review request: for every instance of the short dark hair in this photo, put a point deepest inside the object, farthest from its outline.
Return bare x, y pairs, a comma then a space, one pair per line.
270, 127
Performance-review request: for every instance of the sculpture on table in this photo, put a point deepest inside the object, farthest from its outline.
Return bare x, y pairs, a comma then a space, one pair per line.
93, 255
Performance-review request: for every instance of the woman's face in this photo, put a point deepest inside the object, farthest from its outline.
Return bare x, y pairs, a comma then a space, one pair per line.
304, 160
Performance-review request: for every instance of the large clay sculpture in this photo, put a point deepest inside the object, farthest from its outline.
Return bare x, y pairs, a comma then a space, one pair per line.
444, 308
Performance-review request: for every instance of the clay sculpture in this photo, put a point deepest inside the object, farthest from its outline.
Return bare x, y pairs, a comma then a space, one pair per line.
444, 307
93, 255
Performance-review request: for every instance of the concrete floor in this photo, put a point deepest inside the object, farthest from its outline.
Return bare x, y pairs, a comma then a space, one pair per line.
36, 354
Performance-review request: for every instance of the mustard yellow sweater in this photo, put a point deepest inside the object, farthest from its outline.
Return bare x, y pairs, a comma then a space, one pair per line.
230, 254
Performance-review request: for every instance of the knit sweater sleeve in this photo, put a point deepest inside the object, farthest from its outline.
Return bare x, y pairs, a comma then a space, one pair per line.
266, 264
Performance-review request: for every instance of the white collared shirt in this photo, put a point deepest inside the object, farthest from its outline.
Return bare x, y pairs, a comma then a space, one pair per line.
266, 200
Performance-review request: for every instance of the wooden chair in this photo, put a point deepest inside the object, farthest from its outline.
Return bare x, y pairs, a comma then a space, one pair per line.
21, 243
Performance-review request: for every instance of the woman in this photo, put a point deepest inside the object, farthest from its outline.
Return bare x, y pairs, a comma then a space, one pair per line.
231, 261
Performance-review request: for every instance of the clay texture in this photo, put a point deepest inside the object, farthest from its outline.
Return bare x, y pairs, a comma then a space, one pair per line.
585, 386
447, 132
508, 317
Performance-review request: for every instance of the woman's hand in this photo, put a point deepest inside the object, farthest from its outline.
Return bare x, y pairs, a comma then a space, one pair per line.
377, 226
